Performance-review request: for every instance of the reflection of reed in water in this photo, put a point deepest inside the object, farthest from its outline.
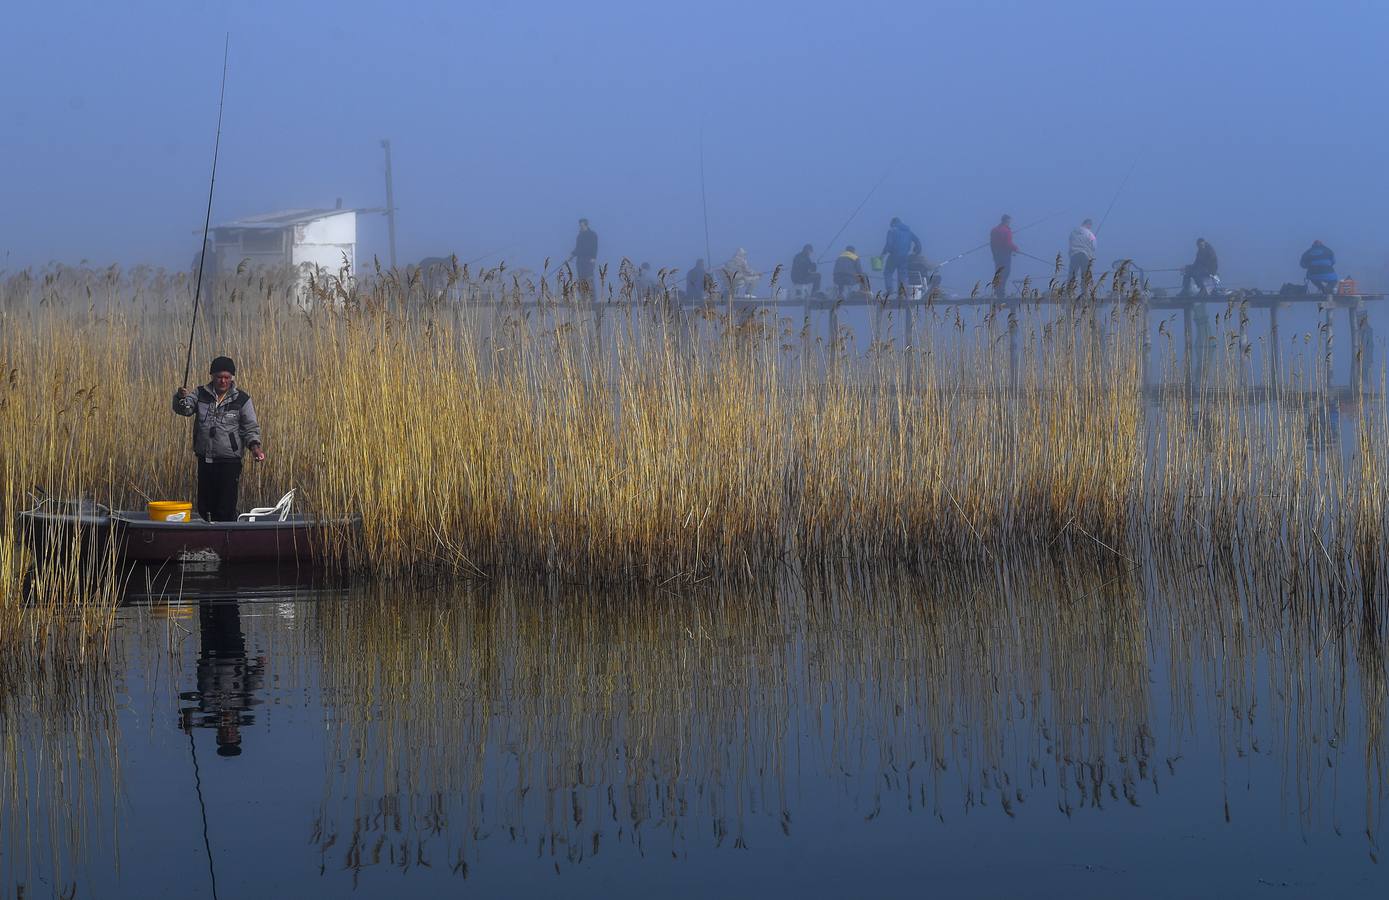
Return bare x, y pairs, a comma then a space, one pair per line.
990, 679
1287, 648
571, 721
60, 774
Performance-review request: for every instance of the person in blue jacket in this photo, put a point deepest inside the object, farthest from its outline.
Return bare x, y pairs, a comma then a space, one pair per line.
901, 245
1320, 262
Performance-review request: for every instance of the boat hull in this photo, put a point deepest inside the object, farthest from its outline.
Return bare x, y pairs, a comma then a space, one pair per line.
62, 528
145, 540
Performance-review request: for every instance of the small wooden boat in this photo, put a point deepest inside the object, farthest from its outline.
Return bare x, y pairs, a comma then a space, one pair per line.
295, 538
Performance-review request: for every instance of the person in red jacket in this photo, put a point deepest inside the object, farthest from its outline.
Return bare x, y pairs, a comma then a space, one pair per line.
1002, 245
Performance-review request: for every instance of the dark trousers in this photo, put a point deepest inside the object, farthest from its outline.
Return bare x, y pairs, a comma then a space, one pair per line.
1192, 274
584, 269
218, 483
894, 268
1079, 264
812, 281
1002, 269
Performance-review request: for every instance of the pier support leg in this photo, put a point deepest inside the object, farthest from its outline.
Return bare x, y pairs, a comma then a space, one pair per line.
1187, 345
1146, 347
1013, 315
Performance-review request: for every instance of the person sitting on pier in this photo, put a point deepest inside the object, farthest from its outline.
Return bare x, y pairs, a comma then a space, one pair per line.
1205, 268
1082, 248
804, 272
741, 279
224, 428
923, 276
1320, 262
848, 273
646, 283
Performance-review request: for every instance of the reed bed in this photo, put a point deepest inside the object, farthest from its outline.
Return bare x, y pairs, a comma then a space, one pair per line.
629, 441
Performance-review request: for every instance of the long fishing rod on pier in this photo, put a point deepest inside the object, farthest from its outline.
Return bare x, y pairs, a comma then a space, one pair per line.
972, 250
1115, 198
825, 252
207, 220
704, 195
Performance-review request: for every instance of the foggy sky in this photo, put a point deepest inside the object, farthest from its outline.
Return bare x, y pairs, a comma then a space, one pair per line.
1257, 125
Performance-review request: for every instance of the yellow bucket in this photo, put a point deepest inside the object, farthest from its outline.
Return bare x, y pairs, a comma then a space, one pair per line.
170, 510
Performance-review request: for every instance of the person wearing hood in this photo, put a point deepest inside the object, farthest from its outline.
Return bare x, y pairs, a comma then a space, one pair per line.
1205, 267
1320, 262
1002, 245
1082, 249
585, 253
694, 282
742, 280
848, 272
224, 428
804, 271
901, 244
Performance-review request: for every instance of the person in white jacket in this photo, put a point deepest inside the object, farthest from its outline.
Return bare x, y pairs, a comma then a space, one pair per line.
739, 275
1082, 248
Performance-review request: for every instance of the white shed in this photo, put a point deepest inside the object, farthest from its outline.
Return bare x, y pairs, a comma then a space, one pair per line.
292, 237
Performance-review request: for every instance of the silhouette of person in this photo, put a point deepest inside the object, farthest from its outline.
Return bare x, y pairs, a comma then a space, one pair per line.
227, 682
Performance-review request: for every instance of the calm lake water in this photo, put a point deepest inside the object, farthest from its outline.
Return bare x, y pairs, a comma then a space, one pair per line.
1068, 727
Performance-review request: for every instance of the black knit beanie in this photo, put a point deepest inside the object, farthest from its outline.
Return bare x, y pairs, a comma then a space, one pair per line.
222, 364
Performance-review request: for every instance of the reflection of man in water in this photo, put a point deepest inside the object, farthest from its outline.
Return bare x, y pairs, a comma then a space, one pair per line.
227, 681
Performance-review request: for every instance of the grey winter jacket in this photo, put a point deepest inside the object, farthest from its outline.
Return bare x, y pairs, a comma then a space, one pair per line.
1083, 242
220, 430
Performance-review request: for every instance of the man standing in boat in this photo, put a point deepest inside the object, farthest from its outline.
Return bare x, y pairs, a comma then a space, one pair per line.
224, 427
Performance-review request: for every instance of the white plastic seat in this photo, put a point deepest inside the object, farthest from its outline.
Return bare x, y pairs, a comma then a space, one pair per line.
279, 512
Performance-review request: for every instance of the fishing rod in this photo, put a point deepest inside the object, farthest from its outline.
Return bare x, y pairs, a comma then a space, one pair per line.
1115, 198
207, 220
857, 209
971, 250
704, 195
202, 808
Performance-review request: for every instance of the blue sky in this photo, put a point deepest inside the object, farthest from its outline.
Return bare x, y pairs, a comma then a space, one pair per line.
1259, 126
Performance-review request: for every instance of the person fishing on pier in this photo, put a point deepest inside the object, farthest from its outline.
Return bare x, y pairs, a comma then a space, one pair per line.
1320, 262
694, 282
739, 276
1205, 268
1002, 245
848, 273
901, 244
224, 428
584, 254
1082, 249
804, 271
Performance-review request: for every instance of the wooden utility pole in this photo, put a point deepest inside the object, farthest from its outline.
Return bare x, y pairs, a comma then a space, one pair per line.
390, 199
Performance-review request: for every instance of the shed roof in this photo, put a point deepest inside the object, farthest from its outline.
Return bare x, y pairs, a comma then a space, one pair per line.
283, 218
